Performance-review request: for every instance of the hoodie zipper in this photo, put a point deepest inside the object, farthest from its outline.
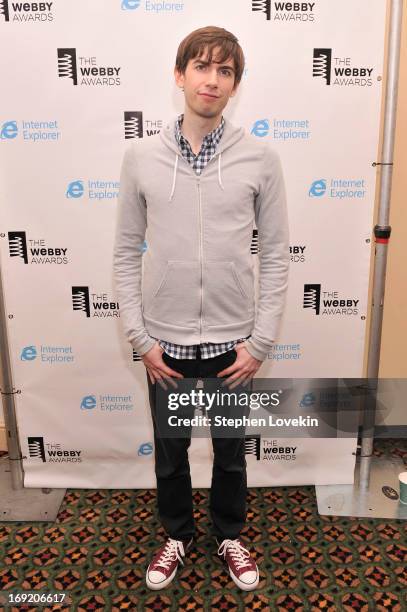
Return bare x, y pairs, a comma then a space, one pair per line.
198, 180
200, 254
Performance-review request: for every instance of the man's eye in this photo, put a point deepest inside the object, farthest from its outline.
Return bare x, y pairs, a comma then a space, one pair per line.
227, 72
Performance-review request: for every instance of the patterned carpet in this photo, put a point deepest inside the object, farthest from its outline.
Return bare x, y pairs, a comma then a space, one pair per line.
102, 540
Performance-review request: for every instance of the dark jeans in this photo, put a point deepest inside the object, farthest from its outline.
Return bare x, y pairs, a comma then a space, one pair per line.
229, 480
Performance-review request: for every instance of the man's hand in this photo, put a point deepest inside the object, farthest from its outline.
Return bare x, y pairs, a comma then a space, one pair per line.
157, 369
243, 369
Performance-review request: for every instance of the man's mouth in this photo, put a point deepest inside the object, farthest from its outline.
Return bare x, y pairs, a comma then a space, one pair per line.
206, 95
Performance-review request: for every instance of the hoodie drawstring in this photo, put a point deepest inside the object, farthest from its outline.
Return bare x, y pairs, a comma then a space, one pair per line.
219, 175
174, 178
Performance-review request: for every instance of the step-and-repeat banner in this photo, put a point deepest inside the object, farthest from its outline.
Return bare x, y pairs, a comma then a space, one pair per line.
80, 80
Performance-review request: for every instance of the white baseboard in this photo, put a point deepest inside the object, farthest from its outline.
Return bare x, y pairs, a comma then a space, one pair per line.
3, 444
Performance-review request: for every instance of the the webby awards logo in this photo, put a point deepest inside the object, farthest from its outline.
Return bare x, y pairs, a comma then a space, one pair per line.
298, 12
339, 70
26, 12
93, 304
35, 250
329, 303
86, 70
136, 125
51, 452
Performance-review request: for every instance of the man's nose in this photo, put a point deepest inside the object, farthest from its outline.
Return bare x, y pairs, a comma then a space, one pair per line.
213, 76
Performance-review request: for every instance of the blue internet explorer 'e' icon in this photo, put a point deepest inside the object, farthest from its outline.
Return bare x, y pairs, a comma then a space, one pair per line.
145, 449
75, 189
261, 128
29, 353
317, 189
130, 5
9, 130
88, 402
308, 400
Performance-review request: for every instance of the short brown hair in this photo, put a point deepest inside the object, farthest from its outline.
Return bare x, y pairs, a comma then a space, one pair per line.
211, 37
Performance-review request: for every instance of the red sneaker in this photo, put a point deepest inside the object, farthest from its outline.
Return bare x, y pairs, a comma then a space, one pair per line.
242, 567
164, 564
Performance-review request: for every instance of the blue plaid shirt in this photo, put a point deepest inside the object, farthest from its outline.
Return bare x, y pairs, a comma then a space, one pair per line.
198, 163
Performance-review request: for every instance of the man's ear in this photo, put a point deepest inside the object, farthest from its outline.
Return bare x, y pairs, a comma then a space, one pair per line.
179, 77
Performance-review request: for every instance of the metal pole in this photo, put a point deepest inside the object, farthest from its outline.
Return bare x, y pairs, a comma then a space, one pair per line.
382, 230
17, 502
7, 394
373, 475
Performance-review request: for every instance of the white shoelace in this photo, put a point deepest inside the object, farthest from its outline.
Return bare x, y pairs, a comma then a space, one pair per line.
171, 553
239, 554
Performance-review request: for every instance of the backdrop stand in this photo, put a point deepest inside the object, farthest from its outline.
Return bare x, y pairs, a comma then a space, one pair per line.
17, 503
366, 496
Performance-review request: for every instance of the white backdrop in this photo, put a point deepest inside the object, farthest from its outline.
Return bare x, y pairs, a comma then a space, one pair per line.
312, 88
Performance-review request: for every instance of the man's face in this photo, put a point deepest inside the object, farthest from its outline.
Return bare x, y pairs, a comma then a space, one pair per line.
207, 87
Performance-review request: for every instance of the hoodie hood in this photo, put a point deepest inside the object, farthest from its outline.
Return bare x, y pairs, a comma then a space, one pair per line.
231, 135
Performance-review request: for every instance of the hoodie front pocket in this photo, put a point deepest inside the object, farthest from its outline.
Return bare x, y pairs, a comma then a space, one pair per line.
176, 297
225, 300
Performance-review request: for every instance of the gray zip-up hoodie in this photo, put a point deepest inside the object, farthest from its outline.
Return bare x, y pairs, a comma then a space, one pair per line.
195, 281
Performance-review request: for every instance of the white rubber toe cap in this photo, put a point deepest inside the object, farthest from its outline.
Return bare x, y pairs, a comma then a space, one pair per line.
156, 577
248, 577
246, 581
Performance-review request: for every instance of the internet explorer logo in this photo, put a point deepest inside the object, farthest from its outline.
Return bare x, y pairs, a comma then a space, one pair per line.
29, 353
261, 128
88, 402
308, 400
75, 189
9, 130
130, 5
317, 189
145, 449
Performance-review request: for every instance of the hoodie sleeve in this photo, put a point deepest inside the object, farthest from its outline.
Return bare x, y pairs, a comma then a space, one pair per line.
131, 223
274, 259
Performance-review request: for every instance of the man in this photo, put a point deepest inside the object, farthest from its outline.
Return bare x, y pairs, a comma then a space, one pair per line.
194, 191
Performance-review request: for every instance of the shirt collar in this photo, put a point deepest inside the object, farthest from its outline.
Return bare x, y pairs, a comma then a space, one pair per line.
213, 138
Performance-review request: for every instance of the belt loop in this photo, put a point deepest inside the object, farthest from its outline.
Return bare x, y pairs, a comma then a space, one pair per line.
198, 352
